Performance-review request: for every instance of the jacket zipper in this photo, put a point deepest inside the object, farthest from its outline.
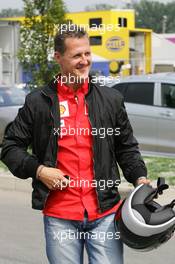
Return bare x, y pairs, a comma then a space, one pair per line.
55, 159
52, 118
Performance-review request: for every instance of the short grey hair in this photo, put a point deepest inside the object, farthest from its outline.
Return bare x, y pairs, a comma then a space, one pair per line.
67, 31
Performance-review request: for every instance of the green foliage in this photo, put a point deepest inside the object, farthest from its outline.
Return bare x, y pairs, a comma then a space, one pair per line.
170, 11
42, 18
155, 15
9, 12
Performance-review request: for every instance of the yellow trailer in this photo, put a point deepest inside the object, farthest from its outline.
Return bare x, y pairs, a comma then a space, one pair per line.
117, 46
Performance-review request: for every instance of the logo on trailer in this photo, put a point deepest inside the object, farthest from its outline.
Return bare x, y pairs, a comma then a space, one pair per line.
115, 44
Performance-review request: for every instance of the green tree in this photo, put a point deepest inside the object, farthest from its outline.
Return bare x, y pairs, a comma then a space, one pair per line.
155, 15
42, 19
9, 12
170, 23
150, 15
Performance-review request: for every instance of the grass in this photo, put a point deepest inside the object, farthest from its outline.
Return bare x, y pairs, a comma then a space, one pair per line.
3, 167
161, 167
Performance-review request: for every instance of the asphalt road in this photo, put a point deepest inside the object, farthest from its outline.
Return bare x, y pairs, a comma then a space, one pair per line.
22, 238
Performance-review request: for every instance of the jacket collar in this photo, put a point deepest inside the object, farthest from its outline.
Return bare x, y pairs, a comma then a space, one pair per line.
51, 89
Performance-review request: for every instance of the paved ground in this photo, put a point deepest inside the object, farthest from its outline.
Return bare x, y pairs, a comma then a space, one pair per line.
21, 230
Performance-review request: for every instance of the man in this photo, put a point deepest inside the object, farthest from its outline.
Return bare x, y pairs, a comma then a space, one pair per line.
73, 164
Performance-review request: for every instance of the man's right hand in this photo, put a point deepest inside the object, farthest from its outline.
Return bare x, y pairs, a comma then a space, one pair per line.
53, 178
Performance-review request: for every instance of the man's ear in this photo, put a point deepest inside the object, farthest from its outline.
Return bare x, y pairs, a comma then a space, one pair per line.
57, 56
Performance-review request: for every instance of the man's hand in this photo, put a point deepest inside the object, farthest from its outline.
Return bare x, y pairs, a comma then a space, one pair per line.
142, 180
53, 178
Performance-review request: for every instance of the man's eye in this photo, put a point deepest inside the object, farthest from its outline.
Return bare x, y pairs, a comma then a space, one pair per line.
77, 56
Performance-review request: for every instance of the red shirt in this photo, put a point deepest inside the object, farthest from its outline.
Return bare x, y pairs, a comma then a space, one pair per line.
75, 158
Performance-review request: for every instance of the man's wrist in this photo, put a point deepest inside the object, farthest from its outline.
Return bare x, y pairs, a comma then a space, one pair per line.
38, 172
139, 179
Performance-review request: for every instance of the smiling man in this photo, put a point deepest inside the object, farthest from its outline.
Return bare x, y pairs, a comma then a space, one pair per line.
75, 60
74, 170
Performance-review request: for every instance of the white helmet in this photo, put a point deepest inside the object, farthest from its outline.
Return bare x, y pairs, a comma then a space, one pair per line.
145, 224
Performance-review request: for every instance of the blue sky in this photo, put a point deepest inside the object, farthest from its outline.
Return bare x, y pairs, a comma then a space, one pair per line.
73, 5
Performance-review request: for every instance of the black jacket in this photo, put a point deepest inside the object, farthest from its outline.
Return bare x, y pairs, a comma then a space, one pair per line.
36, 124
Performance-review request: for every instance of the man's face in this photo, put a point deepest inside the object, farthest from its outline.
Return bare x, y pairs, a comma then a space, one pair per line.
76, 60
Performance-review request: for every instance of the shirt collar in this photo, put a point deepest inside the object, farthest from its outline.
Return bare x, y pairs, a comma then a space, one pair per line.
66, 90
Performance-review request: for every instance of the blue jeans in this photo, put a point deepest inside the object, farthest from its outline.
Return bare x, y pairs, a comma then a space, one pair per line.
65, 241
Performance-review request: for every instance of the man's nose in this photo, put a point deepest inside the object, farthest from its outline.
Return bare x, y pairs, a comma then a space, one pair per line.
84, 60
